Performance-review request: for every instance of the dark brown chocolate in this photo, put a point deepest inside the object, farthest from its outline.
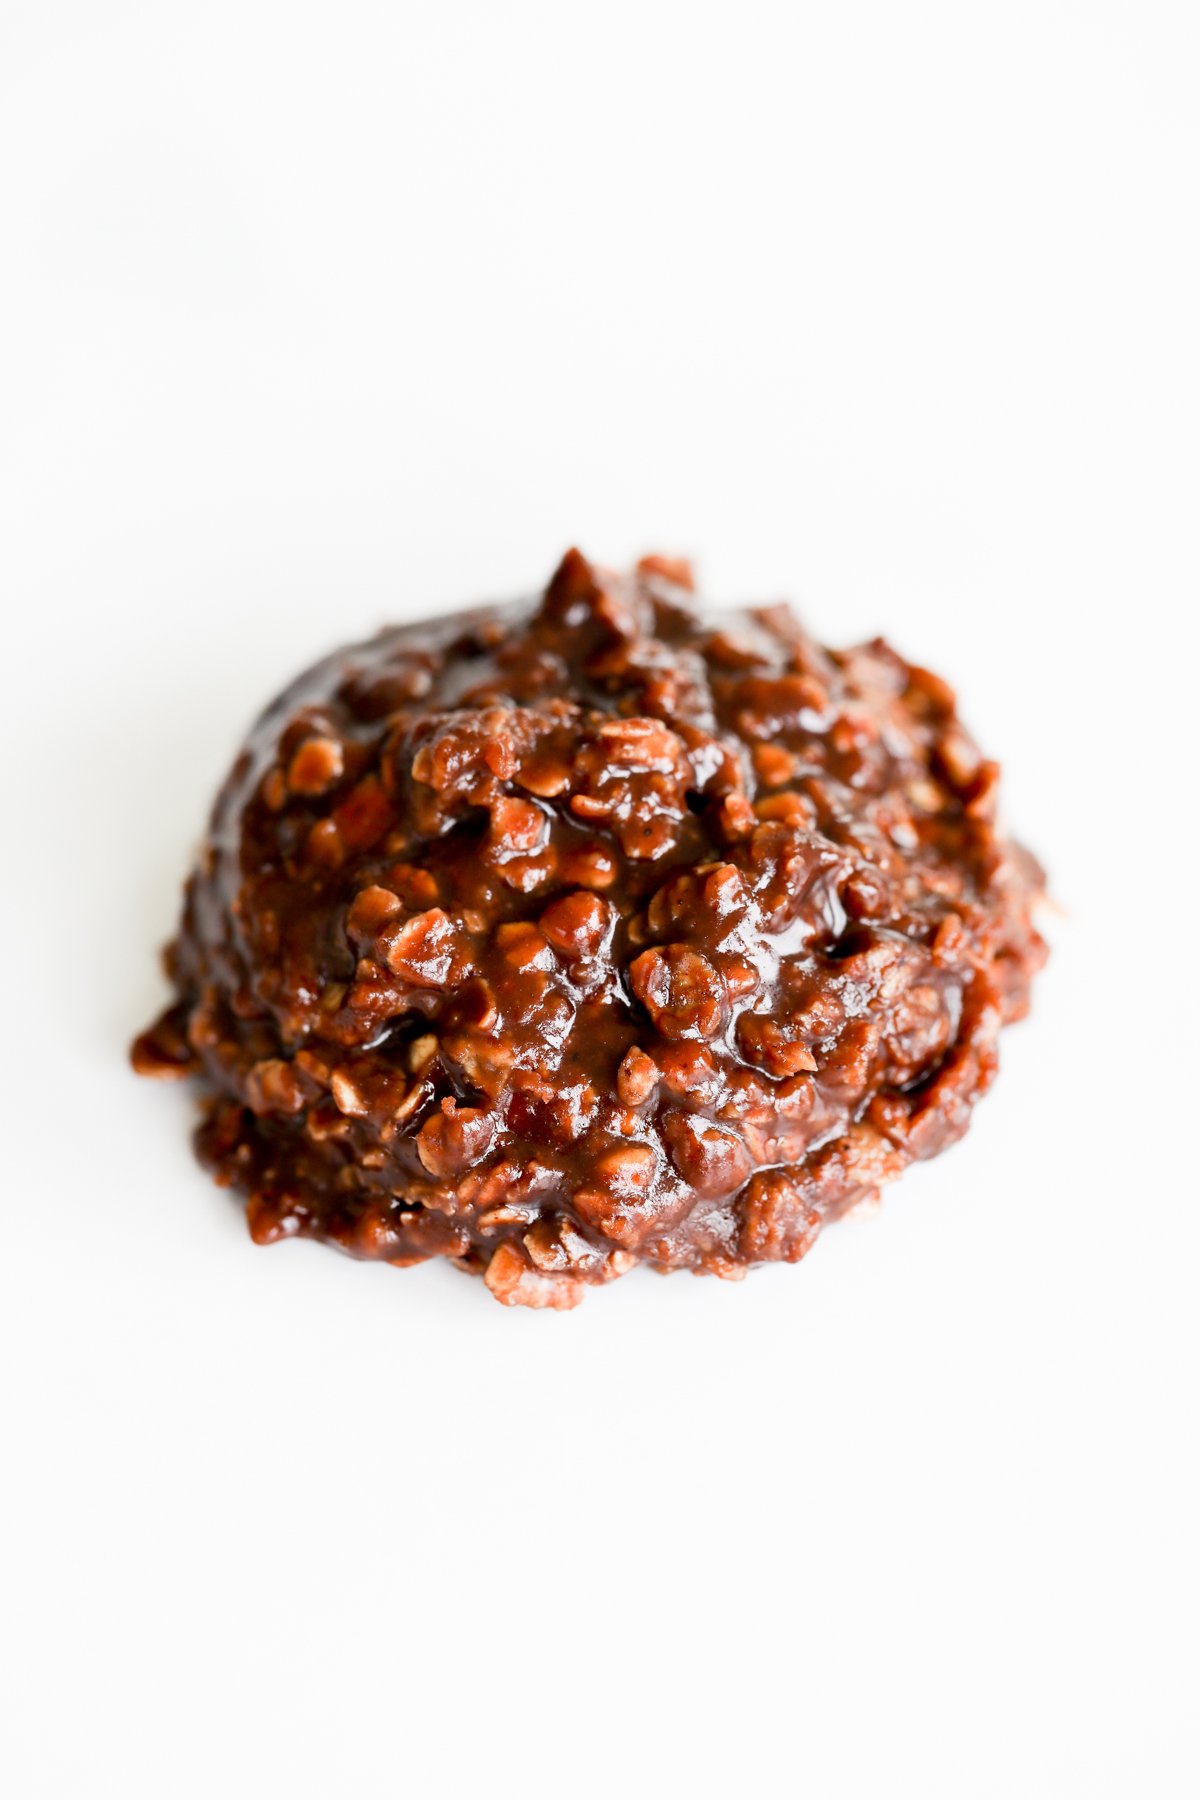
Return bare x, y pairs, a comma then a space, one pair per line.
557, 937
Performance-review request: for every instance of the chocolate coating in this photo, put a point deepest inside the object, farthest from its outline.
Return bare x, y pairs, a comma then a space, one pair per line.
555, 937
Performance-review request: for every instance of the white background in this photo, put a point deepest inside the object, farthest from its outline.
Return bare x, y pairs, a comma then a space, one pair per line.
312, 317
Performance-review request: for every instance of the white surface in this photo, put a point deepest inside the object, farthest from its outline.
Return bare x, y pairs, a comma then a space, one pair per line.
312, 317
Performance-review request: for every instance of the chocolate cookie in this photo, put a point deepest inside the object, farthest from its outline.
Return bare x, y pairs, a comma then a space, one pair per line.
561, 936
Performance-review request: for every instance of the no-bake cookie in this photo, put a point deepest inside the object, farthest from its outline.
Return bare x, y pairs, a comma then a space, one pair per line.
604, 929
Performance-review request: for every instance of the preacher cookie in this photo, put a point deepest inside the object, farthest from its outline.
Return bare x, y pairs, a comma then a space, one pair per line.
557, 937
